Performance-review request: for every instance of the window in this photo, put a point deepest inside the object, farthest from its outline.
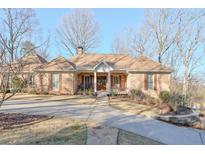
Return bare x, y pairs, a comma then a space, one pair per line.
31, 80
150, 81
55, 81
116, 81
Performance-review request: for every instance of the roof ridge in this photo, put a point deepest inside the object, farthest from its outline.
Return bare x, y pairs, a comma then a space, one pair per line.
102, 54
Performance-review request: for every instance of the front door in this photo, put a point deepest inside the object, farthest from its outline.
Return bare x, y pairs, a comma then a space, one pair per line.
101, 82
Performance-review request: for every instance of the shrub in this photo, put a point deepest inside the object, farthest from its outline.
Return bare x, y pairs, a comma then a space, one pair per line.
165, 96
177, 99
86, 92
16, 82
151, 100
44, 93
79, 92
8, 91
33, 91
112, 93
136, 93
90, 91
24, 90
172, 99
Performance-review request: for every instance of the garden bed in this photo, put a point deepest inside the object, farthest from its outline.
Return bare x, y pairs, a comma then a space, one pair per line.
13, 120
184, 116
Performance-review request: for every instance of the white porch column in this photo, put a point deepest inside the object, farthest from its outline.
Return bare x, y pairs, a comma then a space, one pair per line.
95, 81
108, 82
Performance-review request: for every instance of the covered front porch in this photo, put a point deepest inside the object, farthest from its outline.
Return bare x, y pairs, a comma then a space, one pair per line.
102, 81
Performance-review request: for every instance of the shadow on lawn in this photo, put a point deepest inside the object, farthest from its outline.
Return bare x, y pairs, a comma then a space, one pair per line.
73, 135
51, 132
72, 101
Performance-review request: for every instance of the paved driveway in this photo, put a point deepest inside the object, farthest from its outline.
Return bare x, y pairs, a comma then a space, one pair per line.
103, 114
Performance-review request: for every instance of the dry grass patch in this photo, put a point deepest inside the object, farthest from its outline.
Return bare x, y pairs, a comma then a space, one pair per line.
78, 99
146, 110
52, 131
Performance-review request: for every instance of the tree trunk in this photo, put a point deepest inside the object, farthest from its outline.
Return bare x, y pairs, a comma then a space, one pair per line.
185, 89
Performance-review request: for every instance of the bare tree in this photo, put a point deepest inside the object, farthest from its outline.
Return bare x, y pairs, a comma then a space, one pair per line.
134, 41
28, 47
162, 24
122, 42
142, 42
78, 28
117, 45
190, 43
43, 49
16, 26
12, 78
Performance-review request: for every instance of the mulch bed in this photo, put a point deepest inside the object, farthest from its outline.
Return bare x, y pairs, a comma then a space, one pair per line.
12, 120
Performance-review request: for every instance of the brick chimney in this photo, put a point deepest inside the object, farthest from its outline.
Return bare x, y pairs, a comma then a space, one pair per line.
80, 50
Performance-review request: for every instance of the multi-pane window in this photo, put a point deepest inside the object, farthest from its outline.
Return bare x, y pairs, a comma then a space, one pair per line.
55, 81
150, 81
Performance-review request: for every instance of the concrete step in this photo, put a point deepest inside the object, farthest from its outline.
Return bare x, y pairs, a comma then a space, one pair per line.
102, 94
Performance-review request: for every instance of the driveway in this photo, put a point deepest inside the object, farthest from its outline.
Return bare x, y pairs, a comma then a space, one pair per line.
102, 114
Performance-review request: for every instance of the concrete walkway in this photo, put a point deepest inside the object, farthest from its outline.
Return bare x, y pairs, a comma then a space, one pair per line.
104, 115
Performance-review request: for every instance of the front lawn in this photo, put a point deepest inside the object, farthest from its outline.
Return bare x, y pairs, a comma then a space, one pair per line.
50, 131
128, 106
78, 99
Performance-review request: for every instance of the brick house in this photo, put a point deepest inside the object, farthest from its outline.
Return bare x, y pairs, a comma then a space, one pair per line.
99, 72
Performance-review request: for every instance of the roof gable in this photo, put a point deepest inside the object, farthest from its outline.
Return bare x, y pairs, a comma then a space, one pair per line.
59, 64
143, 63
103, 66
31, 62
